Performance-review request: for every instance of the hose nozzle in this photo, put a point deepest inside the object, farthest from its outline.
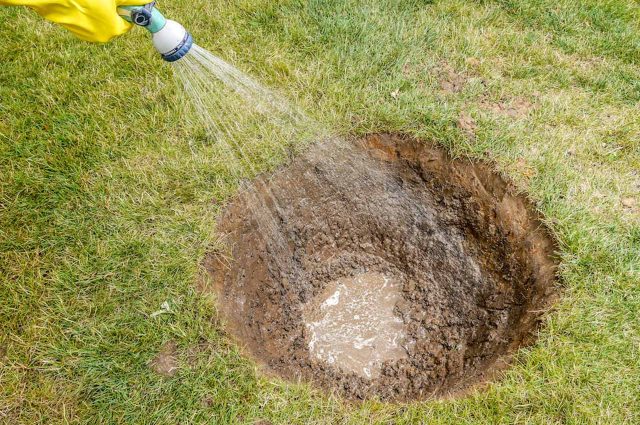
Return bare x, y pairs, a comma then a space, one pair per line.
169, 38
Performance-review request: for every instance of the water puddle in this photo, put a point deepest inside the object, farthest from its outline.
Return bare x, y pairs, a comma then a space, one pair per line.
353, 325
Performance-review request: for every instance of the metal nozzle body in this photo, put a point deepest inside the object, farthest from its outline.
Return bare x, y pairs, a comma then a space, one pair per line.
170, 38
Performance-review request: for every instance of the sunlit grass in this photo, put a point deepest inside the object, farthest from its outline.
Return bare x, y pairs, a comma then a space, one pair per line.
109, 191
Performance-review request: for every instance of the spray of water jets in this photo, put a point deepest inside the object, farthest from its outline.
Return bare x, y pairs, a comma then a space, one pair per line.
248, 121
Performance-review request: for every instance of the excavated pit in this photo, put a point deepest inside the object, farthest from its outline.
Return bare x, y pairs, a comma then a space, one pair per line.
383, 268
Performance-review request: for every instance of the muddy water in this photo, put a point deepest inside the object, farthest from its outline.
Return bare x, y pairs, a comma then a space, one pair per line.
352, 325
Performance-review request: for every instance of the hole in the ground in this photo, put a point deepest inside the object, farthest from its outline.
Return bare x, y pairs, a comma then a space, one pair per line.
383, 268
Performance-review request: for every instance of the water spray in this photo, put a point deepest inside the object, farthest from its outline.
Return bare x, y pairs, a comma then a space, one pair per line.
169, 38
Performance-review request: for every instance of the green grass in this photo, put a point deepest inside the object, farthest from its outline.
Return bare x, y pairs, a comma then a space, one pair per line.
109, 192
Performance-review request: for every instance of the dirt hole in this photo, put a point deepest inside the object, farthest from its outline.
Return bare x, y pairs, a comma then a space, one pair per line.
383, 268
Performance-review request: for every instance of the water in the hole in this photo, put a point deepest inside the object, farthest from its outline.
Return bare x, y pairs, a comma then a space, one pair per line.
353, 325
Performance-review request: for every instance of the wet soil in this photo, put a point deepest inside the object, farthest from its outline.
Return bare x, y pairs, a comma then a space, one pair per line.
381, 267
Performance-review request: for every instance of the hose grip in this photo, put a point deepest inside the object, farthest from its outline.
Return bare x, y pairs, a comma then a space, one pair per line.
146, 16
142, 16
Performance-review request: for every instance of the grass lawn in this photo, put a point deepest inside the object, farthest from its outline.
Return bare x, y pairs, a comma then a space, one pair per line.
109, 193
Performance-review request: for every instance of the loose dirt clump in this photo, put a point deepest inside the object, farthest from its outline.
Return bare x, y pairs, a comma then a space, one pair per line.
468, 125
450, 80
516, 108
166, 362
383, 268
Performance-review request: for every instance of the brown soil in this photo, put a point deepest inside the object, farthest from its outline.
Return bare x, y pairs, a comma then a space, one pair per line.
515, 108
450, 80
166, 362
469, 263
468, 125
